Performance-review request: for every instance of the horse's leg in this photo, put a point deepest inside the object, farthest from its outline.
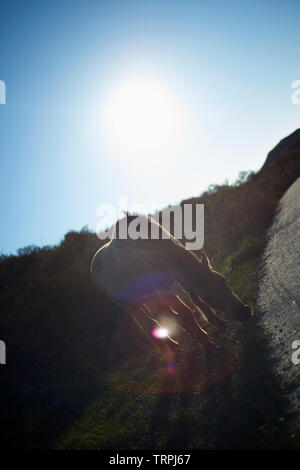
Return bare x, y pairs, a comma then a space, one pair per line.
188, 319
148, 323
210, 315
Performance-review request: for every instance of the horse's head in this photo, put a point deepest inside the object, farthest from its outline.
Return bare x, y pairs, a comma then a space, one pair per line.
216, 293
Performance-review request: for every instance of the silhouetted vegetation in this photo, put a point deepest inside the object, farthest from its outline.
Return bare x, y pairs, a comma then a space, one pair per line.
68, 384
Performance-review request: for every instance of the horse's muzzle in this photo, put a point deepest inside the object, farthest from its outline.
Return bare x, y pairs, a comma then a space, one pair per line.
244, 313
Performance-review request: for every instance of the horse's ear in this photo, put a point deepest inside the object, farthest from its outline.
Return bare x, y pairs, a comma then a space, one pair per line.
205, 261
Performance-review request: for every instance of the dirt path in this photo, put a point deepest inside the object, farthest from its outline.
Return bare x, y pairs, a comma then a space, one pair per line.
279, 295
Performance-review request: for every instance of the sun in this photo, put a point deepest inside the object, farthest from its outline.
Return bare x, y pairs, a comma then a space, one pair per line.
142, 115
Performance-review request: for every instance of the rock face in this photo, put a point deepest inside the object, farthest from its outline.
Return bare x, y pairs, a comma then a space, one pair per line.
291, 142
279, 294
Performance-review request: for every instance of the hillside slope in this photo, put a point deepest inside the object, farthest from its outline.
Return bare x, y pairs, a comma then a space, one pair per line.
65, 361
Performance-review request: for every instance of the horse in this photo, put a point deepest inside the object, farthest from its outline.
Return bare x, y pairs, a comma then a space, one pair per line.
157, 280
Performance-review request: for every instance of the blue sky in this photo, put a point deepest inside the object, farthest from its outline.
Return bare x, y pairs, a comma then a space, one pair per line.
228, 65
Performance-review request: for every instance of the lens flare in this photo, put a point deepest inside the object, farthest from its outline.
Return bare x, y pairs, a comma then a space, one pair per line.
160, 333
171, 369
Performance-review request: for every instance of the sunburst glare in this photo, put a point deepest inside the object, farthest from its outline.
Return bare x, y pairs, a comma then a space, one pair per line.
141, 116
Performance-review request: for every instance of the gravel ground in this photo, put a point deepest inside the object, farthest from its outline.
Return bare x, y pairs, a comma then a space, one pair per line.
279, 294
